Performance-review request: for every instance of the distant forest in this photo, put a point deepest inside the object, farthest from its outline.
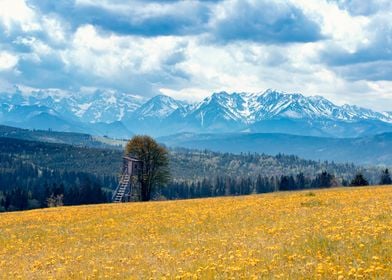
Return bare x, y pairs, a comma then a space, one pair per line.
38, 174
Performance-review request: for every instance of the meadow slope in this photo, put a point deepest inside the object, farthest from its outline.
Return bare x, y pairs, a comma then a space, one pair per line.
327, 234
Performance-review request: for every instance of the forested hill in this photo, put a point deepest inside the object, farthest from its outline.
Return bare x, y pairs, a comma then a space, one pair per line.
184, 164
76, 139
63, 157
32, 172
370, 150
193, 164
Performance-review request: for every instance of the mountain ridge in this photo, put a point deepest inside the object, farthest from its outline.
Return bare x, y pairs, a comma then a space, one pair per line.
373, 150
369, 150
101, 113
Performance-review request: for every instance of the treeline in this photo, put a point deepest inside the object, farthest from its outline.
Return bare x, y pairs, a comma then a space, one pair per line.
62, 157
185, 164
26, 186
222, 186
81, 188
37, 174
188, 165
52, 196
71, 138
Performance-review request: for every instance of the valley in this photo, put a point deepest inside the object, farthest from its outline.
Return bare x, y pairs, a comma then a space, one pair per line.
368, 150
371, 150
32, 170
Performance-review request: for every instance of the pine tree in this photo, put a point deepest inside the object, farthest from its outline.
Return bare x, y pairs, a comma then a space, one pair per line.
385, 178
300, 181
324, 180
359, 180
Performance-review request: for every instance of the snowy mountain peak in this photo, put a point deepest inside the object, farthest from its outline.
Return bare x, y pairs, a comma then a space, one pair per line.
273, 93
162, 100
251, 107
268, 111
159, 106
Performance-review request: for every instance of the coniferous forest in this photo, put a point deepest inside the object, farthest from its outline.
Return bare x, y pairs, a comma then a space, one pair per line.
37, 174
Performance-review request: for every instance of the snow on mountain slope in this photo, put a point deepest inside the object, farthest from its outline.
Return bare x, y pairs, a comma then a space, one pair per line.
269, 111
356, 112
110, 106
99, 106
219, 107
36, 117
249, 108
387, 115
159, 106
106, 106
22, 113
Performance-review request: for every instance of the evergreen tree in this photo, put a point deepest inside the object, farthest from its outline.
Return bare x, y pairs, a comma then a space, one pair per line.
323, 180
385, 178
359, 180
287, 183
300, 181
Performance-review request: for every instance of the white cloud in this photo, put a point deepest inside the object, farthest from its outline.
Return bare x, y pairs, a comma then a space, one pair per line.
112, 54
55, 29
17, 12
188, 65
248, 67
7, 61
187, 94
339, 25
38, 47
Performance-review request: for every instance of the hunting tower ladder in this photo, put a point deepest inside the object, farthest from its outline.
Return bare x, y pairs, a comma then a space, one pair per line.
129, 188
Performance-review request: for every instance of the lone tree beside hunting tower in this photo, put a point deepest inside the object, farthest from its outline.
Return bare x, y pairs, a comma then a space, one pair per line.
155, 163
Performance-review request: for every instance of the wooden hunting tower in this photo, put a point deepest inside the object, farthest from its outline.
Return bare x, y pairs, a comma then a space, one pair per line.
129, 187
131, 166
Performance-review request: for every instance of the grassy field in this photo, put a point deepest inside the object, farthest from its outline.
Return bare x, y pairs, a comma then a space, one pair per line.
326, 234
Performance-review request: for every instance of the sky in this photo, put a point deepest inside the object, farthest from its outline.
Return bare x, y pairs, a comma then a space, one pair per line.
340, 49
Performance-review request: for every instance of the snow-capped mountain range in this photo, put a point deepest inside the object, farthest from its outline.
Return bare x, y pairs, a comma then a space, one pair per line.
250, 108
118, 114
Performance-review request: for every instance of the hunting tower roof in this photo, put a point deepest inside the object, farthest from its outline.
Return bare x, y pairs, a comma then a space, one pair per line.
129, 158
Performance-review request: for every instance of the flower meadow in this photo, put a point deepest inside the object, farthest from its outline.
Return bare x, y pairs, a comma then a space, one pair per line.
341, 233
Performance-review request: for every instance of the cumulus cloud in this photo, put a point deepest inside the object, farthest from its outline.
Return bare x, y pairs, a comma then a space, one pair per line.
371, 59
144, 18
264, 22
360, 7
7, 61
188, 49
17, 12
124, 61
